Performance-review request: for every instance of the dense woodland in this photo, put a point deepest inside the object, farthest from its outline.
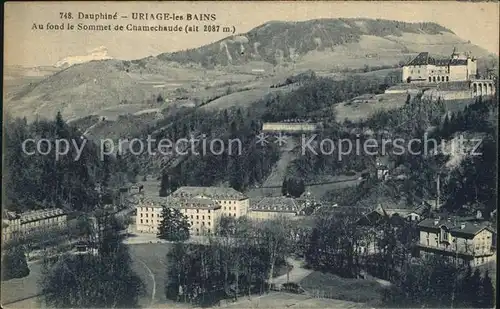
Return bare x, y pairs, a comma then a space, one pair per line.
240, 263
104, 279
71, 184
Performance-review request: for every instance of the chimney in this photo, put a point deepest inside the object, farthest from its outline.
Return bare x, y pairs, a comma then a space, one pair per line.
462, 226
436, 221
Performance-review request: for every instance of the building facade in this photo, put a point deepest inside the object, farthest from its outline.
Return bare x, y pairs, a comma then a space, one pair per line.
19, 225
149, 214
426, 69
202, 206
273, 207
291, 127
472, 243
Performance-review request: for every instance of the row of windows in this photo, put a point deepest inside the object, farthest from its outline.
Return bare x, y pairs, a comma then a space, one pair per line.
152, 209
152, 215
198, 231
203, 217
147, 221
197, 223
439, 78
229, 202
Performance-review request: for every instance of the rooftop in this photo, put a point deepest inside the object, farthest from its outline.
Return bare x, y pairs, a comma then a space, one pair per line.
455, 227
277, 204
218, 193
33, 215
424, 59
179, 202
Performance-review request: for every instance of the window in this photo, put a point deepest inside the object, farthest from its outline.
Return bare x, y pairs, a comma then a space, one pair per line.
208, 217
197, 217
208, 223
209, 211
427, 241
191, 216
141, 215
197, 211
146, 215
141, 221
203, 217
147, 221
445, 235
224, 207
203, 223
447, 78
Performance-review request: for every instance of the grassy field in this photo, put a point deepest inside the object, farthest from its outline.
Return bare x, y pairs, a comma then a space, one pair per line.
364, 106
331, 286
289, 300
22, 289
149, 262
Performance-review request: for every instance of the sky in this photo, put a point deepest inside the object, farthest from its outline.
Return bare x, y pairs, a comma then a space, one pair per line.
477, 22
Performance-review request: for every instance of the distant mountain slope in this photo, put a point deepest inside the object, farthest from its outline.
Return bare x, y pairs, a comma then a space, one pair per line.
99, 53
277, 41
275, 48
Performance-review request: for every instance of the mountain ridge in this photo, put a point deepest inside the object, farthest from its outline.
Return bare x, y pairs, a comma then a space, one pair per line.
263, 55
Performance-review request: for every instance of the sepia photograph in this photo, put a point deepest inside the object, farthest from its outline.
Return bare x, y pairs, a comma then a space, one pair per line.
244, 155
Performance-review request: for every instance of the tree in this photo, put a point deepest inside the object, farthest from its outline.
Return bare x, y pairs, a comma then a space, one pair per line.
276, 240
90, 280
487, 299
165, 185
293, 186
14, 264
174, 226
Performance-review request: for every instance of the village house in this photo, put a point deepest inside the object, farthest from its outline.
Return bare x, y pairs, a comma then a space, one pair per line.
19, 225
469, 242
411, 214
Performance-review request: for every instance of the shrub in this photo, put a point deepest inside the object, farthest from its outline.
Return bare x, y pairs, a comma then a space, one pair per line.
14, 264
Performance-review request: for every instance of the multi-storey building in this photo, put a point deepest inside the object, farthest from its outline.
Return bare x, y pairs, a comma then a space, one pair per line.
272, 207
202, 213
149, 214
426, 69
469, 242
233, 203
18, 225
202, 206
